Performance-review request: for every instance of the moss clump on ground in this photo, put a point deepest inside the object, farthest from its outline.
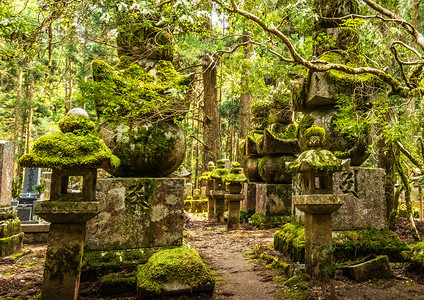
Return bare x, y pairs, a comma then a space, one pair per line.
179, 265
290, 241
415, 255
265, 222
347, 245
297, 288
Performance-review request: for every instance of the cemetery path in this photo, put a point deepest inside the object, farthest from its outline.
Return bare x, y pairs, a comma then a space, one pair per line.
237, 277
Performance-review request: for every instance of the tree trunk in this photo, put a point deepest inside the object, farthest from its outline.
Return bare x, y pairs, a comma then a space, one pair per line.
17, 114
211, 124
29, 96
386, 161
245, 117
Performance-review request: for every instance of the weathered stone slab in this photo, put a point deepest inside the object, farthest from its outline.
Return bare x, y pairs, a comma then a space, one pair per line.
364, 205
139, 213
6, 172
249, 201
273, 199
378, 268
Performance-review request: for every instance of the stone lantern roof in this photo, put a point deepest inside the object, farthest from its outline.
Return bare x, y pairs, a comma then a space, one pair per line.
75, 146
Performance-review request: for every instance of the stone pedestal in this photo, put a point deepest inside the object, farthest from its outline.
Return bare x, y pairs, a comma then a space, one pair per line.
318, 237
211, 201
63, 261
139, 212
233, 210
219, 209
11, 237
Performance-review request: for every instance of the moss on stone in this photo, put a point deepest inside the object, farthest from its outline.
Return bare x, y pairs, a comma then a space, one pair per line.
317, 160
76, 124
65, 150
262, 221
260, 108
415, 255
10, 227
297, 288
179, 265
315, 131
304, 123
290, 241
134, 93
10, 244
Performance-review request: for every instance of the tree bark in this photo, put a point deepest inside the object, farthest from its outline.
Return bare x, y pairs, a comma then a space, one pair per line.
245, 117
211, 124
17, 114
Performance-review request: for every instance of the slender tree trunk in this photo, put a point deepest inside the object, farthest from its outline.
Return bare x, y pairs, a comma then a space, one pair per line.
50, 50
17, 114
211, 124
245, 117
29, 97
408, 202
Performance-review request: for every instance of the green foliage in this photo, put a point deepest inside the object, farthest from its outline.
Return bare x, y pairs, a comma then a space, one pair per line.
134, 94
178, 265
415, 255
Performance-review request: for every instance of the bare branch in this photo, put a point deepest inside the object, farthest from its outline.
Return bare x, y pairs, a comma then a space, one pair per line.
406, 25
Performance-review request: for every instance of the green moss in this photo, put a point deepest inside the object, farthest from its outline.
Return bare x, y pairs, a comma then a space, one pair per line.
260, 108
317, 160
262, 221
304, 123
10, 244
354, 244
415, 255
10, 227
116, 284
132, 93
315, 131
76, 124
178, 265
300, 92
290, 241
220, 172
66, 150
297, 288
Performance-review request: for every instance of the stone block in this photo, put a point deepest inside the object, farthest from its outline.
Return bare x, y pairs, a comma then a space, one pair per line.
6, 172
11, 244
276, 145
378, 268
35, 233
138, 213
249, 201
24, 213
272, 199
10, 227
364, 205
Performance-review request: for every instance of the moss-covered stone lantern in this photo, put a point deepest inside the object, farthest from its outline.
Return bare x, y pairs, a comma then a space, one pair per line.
316, 199
74, 151
234, 183
207, 181
218, 192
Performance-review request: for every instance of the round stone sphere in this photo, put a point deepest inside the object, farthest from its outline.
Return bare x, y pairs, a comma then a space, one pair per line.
147, 150
324, 117
79, 112
251, 170
272, 169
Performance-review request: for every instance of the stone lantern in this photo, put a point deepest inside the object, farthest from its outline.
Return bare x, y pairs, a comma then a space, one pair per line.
75, 151
218, 192
207, 181
234, 184
316, 199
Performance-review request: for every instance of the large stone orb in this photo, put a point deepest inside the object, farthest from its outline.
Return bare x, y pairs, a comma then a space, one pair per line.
147, 150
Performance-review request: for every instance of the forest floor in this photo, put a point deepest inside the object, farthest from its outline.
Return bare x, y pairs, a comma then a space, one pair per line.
238, 276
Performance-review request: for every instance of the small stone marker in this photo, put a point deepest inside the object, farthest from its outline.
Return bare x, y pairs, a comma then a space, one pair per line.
378, 267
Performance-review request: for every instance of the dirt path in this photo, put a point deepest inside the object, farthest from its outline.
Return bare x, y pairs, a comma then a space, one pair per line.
237, 277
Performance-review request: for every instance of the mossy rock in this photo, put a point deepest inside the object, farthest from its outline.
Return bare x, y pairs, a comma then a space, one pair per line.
356, 149
290, 241
318, 160
76, 124
415, 255
251, 169
173, 271
272, 169
148, 150
262, 221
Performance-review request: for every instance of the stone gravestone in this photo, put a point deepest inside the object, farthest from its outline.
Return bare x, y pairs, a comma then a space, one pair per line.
28, 196
11, 237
